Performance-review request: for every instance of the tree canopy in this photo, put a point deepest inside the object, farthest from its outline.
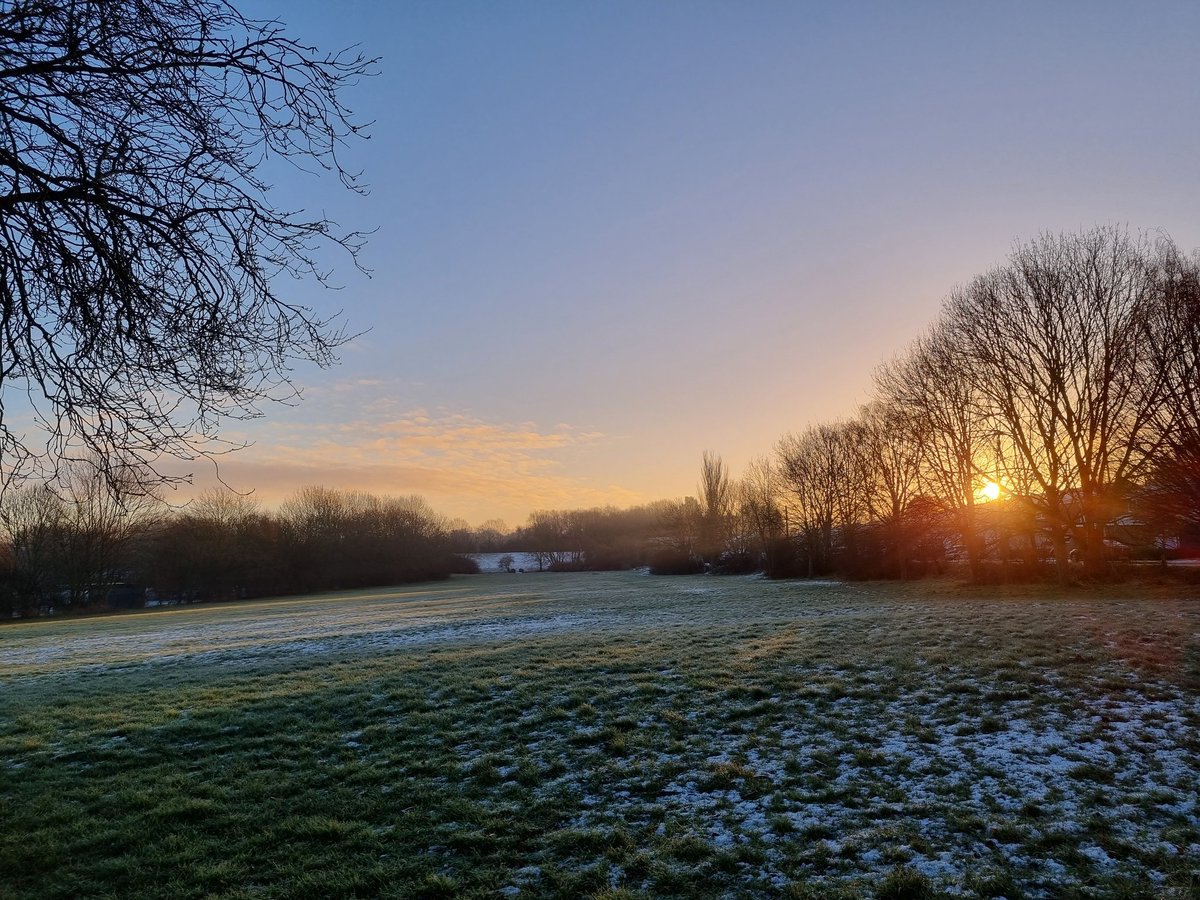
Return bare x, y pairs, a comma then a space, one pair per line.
139, 244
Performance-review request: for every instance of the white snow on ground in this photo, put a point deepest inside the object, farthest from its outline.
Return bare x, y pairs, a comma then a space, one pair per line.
489, 563
1032, 760
889, 784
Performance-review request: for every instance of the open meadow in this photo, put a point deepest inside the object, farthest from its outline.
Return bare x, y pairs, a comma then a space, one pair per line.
609, 734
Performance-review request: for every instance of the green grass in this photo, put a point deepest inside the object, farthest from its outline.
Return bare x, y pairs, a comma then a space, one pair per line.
611, 736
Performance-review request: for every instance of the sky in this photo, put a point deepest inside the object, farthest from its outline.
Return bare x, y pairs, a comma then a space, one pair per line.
611, 235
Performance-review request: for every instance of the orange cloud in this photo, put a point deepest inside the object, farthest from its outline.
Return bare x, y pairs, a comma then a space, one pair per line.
465, 465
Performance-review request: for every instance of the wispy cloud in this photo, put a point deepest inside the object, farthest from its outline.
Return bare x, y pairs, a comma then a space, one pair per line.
464, 464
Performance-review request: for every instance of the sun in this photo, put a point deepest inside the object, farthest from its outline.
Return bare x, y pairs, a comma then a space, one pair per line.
990, 491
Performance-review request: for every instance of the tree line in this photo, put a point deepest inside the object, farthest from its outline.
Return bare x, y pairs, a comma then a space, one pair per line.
1049, 418
75, 545
1053, 404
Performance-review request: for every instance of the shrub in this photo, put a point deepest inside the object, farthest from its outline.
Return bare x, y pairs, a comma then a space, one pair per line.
674, 562
730, 563
457, 564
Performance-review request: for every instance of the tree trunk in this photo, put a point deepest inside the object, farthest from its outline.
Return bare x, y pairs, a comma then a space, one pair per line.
971, 542
1094, 555
1059, 537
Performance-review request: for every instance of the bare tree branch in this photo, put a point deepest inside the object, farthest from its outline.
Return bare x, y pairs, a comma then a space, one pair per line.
139, 247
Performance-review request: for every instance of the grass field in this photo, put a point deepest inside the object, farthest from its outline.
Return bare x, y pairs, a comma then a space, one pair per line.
611, 735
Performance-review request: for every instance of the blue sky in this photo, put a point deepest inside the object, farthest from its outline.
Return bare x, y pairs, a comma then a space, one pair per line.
612, 235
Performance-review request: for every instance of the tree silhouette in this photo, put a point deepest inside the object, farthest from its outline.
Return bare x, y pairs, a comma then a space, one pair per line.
931, 382
1063, 359
716, 498
139, 244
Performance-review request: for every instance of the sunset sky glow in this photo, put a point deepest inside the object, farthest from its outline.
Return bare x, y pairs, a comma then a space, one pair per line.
611, 235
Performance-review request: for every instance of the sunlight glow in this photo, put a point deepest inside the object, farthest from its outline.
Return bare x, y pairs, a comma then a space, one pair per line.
990, 491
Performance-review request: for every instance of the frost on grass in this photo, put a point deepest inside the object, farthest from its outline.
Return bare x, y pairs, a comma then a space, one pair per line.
321, 634
572, 734
846, 793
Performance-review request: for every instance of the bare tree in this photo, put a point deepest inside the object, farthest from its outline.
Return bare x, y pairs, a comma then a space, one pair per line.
34, 519
931, 382
681, 522
489, 535
812, 467
759, 505
1059, 351
105, 517
854, 476
72, 539
337, 539
1170, 498
555, 538
216, 544
716, 500
1174, 327
892, 446
138, 241
313, 526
